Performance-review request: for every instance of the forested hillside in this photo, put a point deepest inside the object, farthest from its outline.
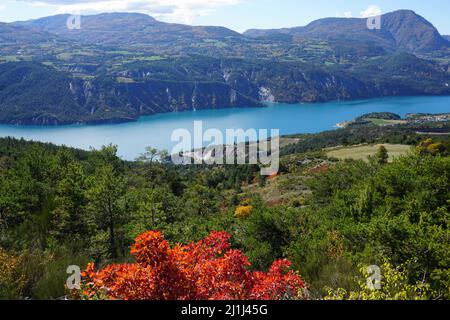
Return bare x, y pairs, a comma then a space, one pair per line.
32, 93
61, 207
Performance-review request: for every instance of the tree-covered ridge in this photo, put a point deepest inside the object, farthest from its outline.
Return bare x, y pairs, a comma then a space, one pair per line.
32, 93
61, 207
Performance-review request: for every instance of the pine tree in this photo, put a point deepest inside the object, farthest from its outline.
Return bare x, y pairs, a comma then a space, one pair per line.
382, 155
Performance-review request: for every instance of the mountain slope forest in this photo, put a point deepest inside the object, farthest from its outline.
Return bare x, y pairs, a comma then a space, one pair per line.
121, 66
322, 218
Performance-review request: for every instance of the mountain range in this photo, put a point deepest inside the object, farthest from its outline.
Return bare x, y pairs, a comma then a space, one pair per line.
400, 30
404, 30
125, 29
120, 66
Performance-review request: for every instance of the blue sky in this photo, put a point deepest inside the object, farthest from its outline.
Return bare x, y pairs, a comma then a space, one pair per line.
235, 14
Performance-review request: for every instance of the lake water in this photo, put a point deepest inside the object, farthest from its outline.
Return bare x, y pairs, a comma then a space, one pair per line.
156, 131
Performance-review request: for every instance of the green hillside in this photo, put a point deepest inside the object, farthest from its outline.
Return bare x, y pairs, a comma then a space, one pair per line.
60, 206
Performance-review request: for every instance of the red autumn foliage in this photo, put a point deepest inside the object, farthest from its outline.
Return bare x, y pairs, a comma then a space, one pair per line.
206, 270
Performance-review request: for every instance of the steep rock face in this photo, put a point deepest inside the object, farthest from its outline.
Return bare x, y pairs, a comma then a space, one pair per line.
263, 81
32, 93
152, 97
220, 83
297, 82
294, 84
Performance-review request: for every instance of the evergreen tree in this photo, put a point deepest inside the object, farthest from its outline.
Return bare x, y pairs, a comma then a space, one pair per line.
382, 155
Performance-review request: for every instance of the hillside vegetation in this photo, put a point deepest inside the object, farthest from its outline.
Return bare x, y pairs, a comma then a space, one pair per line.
365, 152
61, 207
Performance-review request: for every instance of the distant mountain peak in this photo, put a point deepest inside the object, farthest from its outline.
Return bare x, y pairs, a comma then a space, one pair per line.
412, 31
403, 11
123, 28
123, 14
400, 30
14, 33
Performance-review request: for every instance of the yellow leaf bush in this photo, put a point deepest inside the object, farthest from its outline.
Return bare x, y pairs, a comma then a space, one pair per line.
243, 212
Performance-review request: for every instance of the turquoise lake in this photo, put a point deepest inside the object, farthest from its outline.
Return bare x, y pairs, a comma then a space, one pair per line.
155, 131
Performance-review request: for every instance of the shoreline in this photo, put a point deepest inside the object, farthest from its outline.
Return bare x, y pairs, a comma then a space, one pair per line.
265, 104
410, 118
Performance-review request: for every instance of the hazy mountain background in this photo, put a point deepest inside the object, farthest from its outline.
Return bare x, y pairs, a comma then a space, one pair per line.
400, 30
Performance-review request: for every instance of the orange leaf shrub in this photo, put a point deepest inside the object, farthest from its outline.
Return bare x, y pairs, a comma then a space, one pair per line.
206, 270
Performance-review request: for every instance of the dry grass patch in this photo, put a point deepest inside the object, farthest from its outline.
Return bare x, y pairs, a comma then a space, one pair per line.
364, 152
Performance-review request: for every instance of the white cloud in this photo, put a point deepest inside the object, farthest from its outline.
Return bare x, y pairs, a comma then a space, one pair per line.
371, 11
2, 7
184, 11
347, 14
